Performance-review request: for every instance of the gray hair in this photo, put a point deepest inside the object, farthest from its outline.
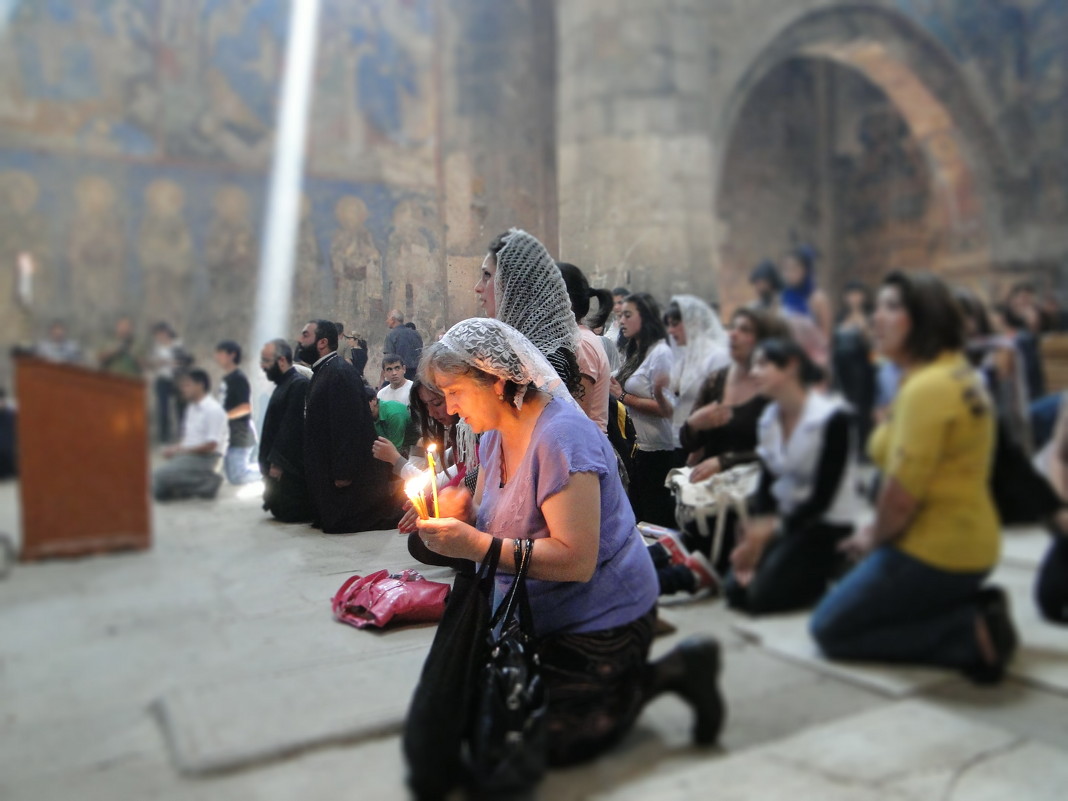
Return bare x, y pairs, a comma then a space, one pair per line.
282, 349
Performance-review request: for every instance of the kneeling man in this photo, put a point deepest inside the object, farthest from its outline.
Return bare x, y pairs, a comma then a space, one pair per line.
192, 468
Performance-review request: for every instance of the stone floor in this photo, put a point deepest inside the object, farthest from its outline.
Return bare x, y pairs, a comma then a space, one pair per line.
232, 609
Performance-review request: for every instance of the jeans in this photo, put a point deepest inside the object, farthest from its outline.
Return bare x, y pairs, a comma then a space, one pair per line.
238, 467
894, 608
1044, 413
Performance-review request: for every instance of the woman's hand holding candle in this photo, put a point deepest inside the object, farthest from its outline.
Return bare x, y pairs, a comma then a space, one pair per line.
414, 490
450, 537
409, 520
456, 502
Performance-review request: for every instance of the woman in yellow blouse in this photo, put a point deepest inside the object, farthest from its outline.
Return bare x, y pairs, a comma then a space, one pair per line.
918, 594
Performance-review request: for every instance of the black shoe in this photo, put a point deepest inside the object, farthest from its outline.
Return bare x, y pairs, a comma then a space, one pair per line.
996, 614
700, 686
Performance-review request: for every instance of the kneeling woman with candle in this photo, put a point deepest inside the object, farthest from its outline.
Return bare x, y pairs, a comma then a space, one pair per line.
549, 474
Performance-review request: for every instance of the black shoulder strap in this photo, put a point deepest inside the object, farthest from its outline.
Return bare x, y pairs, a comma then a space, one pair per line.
488, 569
517, 593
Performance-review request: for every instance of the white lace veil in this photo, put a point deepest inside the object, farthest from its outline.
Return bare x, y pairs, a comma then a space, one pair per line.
495, 347
531, 294
705, 338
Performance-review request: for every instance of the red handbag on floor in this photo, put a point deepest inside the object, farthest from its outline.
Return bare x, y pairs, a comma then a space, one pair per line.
381, 598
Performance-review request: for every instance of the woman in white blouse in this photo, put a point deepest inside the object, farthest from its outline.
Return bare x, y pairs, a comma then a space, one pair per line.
699, 345
641, 385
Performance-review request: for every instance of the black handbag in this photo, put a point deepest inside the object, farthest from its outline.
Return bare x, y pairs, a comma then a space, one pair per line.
440, 713
506, 744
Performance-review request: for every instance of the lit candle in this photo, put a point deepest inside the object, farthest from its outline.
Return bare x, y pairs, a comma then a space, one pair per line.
414, 490
433, 476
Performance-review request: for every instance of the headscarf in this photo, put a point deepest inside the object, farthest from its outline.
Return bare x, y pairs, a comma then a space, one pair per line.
705, 338
795, 298
531, 295
495, 347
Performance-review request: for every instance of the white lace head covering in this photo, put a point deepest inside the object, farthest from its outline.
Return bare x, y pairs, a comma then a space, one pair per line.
495, 347
705, 338
531, 294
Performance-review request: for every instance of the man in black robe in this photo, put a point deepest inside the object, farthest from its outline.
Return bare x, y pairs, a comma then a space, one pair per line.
350, 490
285, 491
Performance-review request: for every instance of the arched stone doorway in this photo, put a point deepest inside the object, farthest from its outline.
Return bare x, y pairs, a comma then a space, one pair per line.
852, 132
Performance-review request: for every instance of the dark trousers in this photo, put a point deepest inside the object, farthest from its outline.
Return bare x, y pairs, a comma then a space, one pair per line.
794, 571
672, 578
168, 409
286, 498
651, 500
1051, 587
1021, 494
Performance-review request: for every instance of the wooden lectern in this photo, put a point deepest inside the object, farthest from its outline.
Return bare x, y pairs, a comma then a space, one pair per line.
83, 460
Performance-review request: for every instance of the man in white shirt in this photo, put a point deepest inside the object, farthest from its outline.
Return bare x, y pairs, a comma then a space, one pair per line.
192, 468
399, 388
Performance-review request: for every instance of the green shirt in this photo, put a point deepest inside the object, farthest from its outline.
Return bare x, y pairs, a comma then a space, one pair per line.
392, 422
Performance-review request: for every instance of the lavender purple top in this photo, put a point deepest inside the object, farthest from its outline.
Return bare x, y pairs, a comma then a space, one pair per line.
624, 584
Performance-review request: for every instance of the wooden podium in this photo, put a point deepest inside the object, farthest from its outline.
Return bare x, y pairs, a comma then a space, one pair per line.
83, 460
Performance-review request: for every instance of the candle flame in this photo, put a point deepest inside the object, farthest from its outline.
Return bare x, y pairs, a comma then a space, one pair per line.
415, 486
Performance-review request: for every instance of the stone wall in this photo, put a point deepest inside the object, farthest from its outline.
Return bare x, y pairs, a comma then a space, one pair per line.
136, 139
644, 141
656, 132
634, 146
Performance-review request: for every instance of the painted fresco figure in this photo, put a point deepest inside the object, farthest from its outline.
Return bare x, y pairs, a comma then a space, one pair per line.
165, 248
96, 252
230, 255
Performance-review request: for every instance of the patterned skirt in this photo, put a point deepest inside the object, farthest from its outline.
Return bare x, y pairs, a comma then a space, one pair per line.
596, 683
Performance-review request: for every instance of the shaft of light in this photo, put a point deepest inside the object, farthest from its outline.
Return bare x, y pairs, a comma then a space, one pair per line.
7, 7
282, 219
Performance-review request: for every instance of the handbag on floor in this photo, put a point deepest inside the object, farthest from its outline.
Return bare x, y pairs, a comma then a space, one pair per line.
696, 503
381, 598
506, 746
440, 712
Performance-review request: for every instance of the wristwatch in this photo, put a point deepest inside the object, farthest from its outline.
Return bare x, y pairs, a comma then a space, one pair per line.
623, 395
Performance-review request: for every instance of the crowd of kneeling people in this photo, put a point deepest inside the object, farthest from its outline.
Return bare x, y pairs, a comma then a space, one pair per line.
561, 425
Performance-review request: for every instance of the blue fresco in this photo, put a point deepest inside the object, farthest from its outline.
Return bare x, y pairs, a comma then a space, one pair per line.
57, 176
1004, 37
486, 24
384, 75
75, 80
1022, 52
239, 57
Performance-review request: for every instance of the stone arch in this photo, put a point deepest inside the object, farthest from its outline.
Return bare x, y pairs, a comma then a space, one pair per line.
966, 161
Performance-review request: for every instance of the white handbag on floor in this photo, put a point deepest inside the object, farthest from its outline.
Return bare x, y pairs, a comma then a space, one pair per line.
695, 503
